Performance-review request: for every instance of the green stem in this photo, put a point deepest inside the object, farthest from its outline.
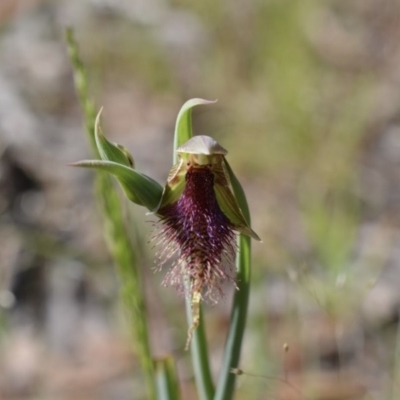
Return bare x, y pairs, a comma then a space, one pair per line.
166, 379
131, 289
199, 352
226, 382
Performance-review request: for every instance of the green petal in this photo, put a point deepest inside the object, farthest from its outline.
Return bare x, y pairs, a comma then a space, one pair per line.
138, 187
109, 151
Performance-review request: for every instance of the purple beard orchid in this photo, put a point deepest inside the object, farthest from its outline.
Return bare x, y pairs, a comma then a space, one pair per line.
199, 214
199, 217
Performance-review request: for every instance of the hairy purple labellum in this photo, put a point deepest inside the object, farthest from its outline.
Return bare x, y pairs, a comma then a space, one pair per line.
196, 227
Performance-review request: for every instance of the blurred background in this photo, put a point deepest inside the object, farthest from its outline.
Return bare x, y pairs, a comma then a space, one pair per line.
309, 109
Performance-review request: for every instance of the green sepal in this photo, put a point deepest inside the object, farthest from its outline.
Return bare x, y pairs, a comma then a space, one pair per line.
183, 126
175, 185
138, 187
229, 204
109, 151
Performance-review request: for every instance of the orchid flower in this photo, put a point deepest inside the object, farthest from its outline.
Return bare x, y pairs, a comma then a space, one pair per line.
197, 209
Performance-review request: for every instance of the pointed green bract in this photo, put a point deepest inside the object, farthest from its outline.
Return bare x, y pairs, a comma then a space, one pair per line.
138, 187
109, 151
117, 161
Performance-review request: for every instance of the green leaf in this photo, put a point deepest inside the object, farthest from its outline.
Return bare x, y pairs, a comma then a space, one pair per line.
138, 187
109, 151
183, 126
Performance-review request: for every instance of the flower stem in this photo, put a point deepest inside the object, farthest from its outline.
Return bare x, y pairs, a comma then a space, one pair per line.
226, 382
166, 379
195, 306
198, 348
